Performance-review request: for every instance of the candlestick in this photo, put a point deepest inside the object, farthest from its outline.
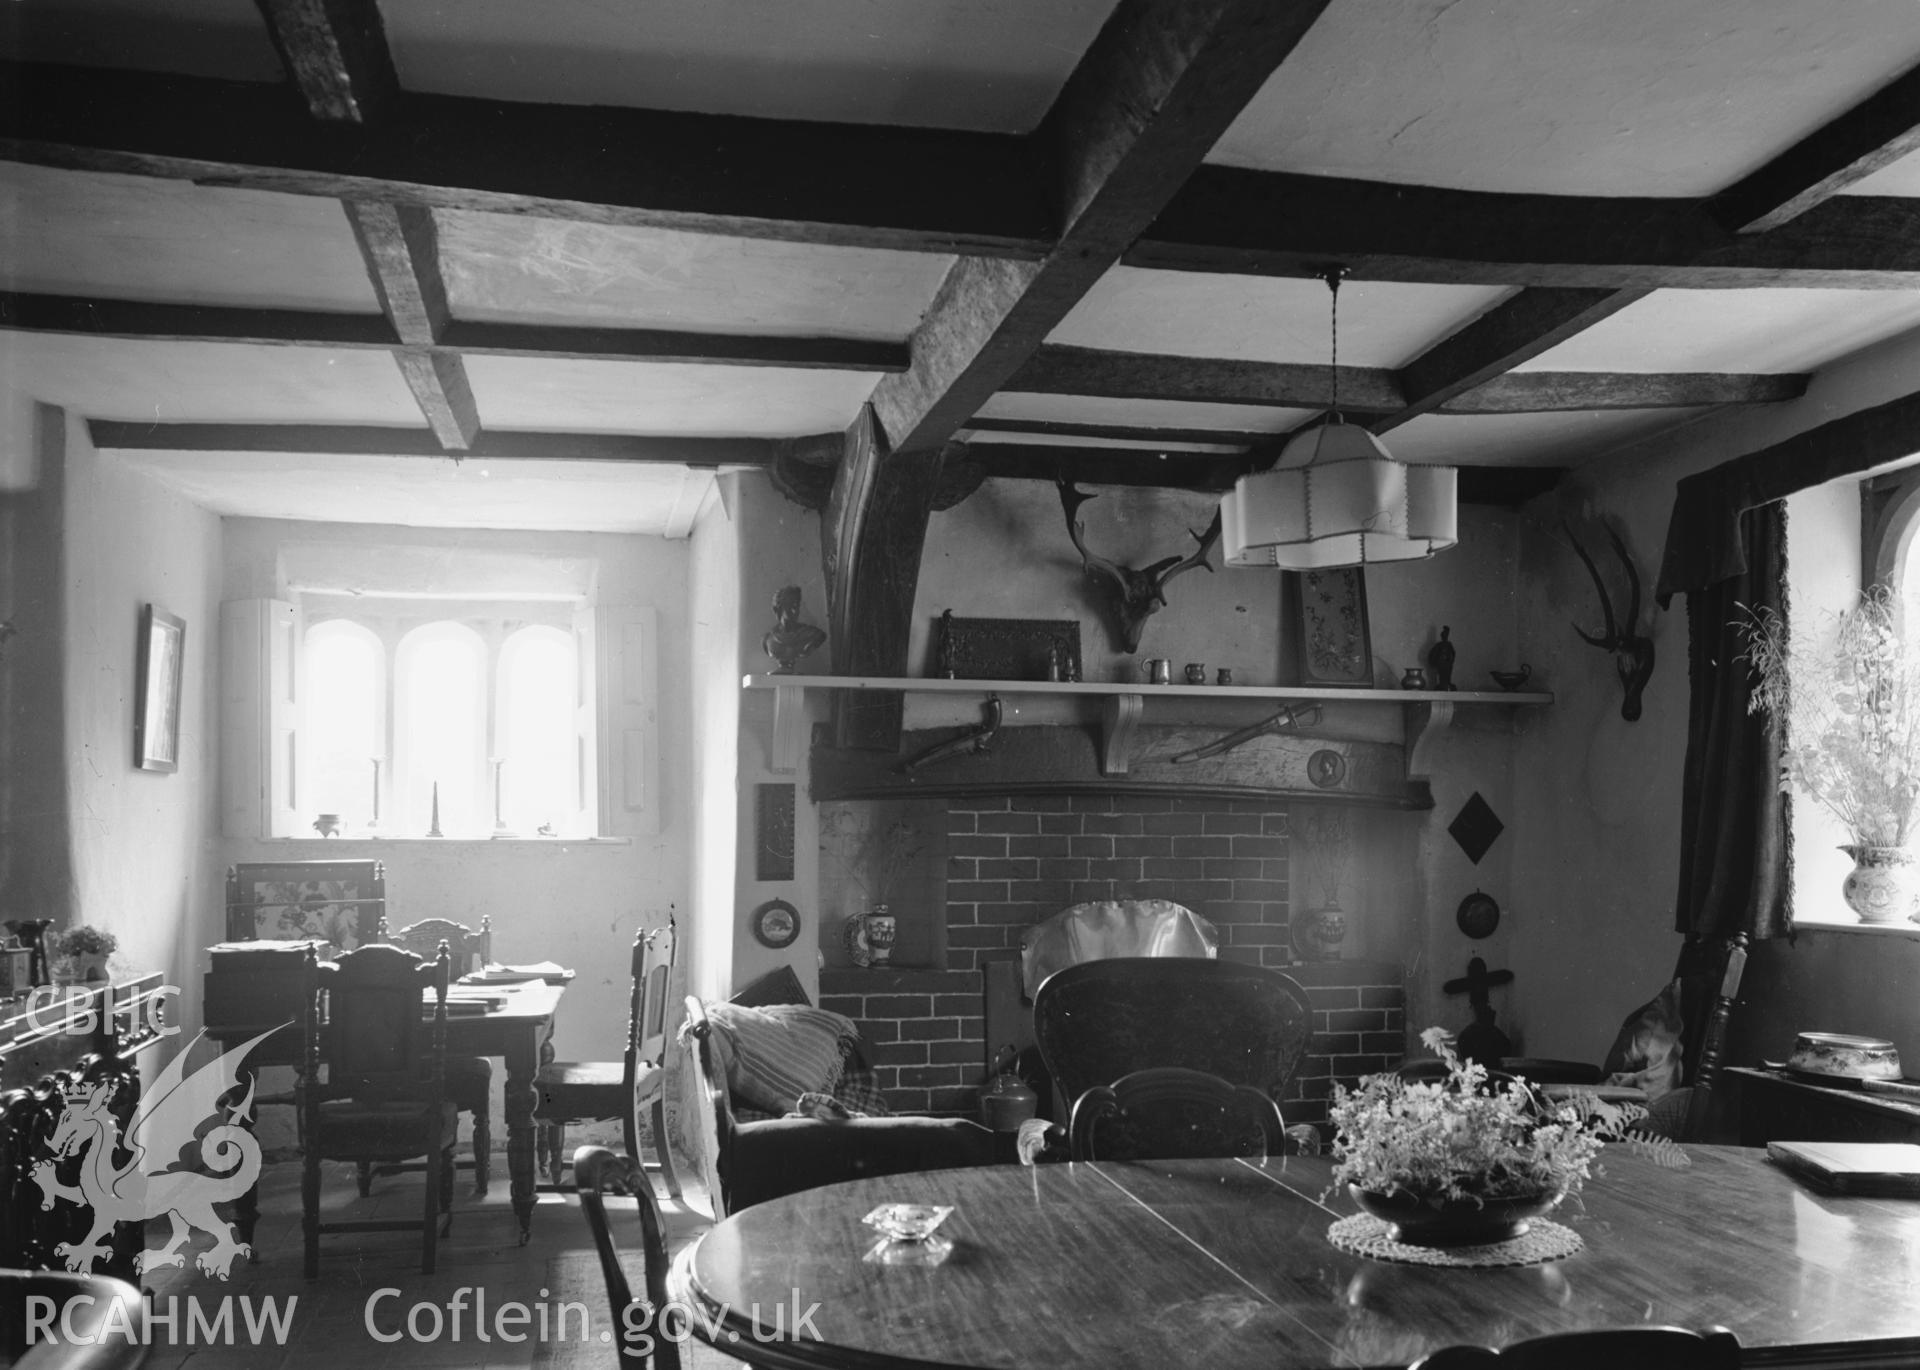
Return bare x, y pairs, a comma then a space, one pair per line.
434, 831
374, 822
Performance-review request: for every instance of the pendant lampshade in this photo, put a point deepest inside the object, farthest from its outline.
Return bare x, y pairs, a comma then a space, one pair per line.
1337, 497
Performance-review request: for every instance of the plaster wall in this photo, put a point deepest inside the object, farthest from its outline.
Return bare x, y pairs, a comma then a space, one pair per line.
89, 837
713, 673
1598, 799
577, 903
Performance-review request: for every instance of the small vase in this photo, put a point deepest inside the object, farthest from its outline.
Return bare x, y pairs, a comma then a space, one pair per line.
880, 933
1883, 887
1318, 934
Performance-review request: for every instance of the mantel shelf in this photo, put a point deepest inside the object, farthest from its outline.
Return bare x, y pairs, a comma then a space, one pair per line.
1426, 711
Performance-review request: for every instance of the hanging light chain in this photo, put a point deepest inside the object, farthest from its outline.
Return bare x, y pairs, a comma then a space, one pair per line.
1333, 275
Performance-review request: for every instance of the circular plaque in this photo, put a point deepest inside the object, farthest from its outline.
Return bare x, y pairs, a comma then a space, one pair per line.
776, 923
1326, 768
1478, 915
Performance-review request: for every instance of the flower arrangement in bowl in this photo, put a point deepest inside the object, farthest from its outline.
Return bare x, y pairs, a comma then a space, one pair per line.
84, 950
1468, 1158
1847, 690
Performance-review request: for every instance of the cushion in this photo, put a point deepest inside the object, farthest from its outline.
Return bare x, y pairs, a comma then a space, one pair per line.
1647, 1053
775, 1054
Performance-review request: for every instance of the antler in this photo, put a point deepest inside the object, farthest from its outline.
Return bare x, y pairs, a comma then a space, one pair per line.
1167, 568
1071, 498
1633, 581
1612, 638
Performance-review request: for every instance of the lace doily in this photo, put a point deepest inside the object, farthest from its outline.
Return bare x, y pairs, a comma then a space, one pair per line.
1365, 1235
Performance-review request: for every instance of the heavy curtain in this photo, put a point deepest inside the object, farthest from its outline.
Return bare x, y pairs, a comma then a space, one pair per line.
1733, 818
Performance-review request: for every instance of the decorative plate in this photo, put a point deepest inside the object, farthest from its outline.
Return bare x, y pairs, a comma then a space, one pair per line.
1326, 768
854, 933
776, 924
1477, 915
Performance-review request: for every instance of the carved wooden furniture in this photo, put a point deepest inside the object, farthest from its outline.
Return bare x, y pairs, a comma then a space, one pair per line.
469, 1078
1100, 1020
1644, 1348
383, 1098
59, 1042
342, 903
746, 1162
1140, 1265
1172, 1112
598, 1172
575, 1090
1772, 1107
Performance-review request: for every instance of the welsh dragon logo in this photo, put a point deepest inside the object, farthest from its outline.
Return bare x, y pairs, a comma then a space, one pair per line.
152, 1182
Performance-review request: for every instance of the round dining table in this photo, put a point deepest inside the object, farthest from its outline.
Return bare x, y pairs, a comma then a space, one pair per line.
1227, 1263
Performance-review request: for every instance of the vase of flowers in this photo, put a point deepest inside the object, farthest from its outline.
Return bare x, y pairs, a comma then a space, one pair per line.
1468, 1158
80, 954
1847, 691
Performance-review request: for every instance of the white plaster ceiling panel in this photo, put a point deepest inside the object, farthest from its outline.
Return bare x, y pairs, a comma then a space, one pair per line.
429, 492
190, 382
1897, 178
225, 38
1528, 439
563, 395
142, 238
1246, 418
1266, 318
1735, 330
504, 267
1629, 97
979, 64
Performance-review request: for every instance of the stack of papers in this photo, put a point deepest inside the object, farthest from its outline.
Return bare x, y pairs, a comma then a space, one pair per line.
515, 975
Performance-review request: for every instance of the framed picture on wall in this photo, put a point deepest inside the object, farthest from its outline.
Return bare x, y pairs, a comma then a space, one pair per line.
1326, 628
156, 719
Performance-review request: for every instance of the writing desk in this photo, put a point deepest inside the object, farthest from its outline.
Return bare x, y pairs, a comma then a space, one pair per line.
1224, 1264
515, 1032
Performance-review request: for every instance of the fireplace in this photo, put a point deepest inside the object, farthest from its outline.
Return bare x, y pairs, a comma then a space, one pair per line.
1011, 862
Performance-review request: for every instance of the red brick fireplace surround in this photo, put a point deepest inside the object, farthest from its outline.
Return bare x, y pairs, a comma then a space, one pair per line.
1013, 862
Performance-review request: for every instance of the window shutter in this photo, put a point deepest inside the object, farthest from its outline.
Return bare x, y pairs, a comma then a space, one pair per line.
630, 781
260, 764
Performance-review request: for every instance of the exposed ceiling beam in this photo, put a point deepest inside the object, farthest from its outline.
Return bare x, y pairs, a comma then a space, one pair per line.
1537, 319
402, 252
140, 319
346, 440
1875, 133
919, 190
1211, 472
1264, 223
1056, 370
336, 53
1117, 432
1149, 98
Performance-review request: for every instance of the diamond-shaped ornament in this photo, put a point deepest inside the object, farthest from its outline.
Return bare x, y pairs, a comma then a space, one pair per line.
1476, 827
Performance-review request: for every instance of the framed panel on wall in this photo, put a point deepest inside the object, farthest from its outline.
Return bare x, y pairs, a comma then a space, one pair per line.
1325, 628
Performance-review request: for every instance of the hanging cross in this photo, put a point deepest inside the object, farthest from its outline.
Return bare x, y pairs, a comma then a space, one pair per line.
1481, 1041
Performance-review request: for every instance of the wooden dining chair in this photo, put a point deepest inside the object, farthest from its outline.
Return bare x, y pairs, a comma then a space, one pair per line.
1099, 1020
383, 1095
469, 1078
572, 1091
598, 1172
1168, 1112
1641, 1348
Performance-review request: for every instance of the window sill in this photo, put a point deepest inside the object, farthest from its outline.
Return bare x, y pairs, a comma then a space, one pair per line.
1858, 929
553, 842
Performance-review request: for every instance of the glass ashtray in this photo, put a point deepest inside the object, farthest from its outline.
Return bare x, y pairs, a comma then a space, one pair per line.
907, 1222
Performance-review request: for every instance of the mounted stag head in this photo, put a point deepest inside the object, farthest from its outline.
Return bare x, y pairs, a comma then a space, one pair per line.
1135, 595
1632, 653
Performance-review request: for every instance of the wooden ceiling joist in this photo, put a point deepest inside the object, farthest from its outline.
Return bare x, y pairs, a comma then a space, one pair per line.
1878, 130
853, 185
142, 320
401, 248
1056, 370
335, 52
346, 440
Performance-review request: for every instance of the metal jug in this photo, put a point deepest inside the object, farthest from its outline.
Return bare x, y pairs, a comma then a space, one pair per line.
1006, 1100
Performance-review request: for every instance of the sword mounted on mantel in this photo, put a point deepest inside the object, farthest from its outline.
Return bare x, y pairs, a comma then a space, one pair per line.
975, 742
1289, 718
